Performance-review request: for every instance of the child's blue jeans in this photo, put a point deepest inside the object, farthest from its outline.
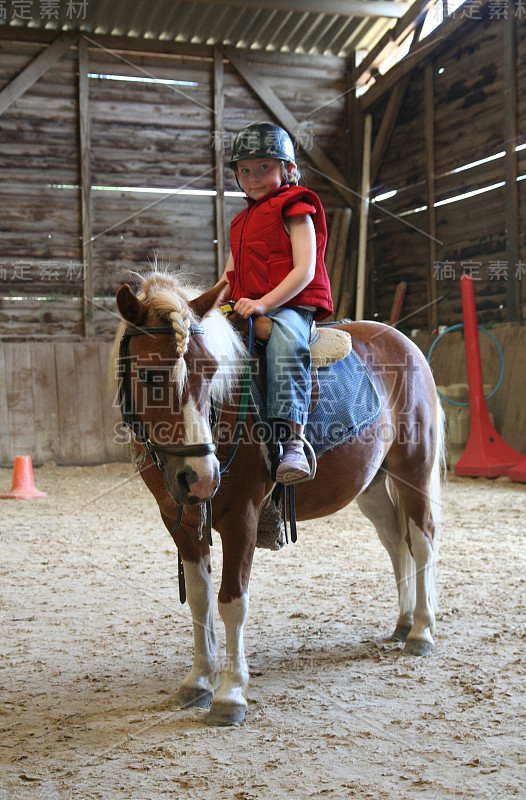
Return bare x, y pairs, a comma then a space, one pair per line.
288, 365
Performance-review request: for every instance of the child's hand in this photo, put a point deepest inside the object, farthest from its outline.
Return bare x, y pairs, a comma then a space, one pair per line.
246, 307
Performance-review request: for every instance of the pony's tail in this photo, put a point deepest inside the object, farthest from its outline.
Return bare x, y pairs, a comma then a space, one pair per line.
438, 476
407, 585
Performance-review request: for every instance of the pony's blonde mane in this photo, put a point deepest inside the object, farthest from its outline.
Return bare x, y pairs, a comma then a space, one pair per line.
168, 294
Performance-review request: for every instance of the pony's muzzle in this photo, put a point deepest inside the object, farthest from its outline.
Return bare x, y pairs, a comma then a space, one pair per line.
205, 487
189, 486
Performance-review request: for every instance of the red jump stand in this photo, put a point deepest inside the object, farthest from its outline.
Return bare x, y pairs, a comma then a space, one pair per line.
487, 454
518, 472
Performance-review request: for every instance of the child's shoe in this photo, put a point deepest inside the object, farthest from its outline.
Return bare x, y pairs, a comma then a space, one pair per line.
294, 465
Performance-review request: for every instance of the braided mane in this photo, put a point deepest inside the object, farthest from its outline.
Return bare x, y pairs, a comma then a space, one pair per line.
168, 294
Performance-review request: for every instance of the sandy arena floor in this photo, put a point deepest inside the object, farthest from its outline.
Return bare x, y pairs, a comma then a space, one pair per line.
95, 643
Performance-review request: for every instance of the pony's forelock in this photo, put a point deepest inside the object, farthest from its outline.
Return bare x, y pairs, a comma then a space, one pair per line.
168, 294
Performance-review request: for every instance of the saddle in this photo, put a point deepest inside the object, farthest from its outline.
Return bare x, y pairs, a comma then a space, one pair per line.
328, 344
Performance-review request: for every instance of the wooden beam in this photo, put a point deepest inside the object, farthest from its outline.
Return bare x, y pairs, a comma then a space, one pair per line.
135, 46
431, 43
429, 134
85, 188
38, 66
390, 41
511, 200
387, 125
364, 218
285, 118
219, 160
390, 116
351, 113
344, 8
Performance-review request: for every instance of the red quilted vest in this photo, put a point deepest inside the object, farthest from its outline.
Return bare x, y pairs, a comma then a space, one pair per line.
262, 250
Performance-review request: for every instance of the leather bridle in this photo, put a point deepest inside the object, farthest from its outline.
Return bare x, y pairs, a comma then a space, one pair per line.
131, 419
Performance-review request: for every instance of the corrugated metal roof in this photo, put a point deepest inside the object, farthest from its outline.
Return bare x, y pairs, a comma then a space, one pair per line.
332, 27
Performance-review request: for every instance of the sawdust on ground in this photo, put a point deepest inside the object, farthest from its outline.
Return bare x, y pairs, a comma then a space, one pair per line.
94, 644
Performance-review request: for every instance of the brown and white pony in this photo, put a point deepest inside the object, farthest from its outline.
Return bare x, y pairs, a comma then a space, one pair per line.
181, 354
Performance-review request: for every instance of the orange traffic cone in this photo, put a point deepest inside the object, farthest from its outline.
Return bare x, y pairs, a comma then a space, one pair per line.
23, 487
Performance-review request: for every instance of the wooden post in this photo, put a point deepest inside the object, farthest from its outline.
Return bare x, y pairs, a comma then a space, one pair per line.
219, 160
511, 202
364, 217
340, 272
85, 189
429, 130
355, 149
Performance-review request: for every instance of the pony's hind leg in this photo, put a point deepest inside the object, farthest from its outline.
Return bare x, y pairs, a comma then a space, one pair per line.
376, 504
420, 640
417, 498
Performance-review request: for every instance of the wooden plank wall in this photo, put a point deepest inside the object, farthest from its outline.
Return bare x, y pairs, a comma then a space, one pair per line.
468, 126
521, 155
40, 255
56, 405
141, 135
57, 408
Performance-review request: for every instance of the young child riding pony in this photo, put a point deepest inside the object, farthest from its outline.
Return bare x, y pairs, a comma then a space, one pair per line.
276, 268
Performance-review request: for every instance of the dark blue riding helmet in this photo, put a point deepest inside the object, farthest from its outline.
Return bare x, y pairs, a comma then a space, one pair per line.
262, 140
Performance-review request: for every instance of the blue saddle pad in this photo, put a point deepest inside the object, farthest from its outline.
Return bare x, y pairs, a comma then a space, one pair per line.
348, 403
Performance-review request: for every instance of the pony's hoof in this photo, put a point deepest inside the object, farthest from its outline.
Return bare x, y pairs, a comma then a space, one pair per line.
418, 647
193, 696
400, 634
223, 714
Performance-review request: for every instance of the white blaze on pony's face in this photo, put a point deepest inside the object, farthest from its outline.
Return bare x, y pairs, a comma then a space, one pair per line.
206, 468
190, 477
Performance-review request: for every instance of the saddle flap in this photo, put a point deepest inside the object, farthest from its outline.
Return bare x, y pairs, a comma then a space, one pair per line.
331, 345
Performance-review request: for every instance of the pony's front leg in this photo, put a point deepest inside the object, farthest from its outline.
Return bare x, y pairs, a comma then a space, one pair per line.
229, 704
197, 688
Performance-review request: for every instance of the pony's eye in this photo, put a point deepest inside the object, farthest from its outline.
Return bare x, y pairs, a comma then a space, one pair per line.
151, 377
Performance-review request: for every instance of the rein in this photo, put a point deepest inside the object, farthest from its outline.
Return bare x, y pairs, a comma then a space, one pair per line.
243, 401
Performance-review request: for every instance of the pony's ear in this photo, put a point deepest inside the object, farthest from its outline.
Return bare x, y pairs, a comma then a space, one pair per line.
203, 304
130, 307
